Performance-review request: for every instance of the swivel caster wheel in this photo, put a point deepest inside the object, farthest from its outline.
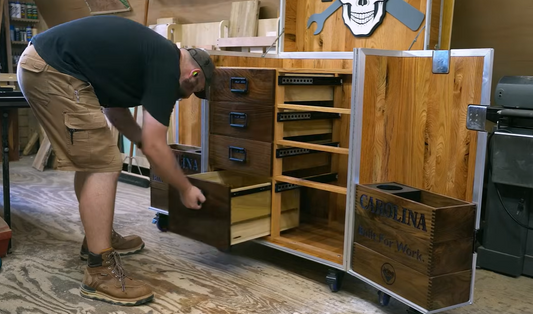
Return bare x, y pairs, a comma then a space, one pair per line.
161, 221
383, 298
334, 279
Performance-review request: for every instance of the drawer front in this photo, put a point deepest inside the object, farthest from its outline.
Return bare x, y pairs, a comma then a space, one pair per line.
229, 196
236, 154
211, 223
242, 120
244, 85
159, 197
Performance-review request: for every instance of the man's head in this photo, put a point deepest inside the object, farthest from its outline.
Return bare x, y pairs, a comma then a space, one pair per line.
196, 73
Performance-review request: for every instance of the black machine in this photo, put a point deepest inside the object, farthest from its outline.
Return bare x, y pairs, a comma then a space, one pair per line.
506, 231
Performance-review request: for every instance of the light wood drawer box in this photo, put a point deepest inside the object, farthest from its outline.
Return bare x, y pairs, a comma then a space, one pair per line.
237, 209
243, 120
243, 85
242, 155
190, 160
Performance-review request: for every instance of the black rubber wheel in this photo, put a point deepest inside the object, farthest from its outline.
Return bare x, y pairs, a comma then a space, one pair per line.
334, 279
161, 221
383, 298
0, 263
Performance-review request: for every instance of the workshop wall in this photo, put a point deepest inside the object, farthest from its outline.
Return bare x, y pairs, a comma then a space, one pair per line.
506, 27
199, 11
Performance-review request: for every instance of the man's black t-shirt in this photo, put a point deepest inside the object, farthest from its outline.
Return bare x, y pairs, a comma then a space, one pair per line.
127, 63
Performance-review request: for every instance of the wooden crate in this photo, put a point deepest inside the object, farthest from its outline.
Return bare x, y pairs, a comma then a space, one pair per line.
190, 160
416, 243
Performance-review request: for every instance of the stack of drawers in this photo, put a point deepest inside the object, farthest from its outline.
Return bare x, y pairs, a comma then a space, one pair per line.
241, 118
238, 187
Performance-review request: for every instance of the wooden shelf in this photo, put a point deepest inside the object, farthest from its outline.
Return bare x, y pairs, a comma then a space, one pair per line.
322, 148
24, 20
265, 41
25, 43
312, 184
315, 108
313, 71
313, 239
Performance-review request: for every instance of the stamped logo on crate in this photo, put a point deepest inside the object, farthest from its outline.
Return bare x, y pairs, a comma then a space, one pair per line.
388, 273
188, 163
425, 231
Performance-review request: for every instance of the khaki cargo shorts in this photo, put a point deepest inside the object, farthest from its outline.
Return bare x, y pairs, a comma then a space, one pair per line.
70, 113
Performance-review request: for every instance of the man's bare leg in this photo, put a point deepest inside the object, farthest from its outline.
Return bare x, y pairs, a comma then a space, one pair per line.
96, 194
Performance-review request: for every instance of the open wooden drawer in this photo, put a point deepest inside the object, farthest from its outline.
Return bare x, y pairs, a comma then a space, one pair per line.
237, 209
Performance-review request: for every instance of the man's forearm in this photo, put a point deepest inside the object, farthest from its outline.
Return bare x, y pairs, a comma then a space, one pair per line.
122, 119
161, 159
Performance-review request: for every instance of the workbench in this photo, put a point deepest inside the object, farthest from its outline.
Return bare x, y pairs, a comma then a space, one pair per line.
8, 101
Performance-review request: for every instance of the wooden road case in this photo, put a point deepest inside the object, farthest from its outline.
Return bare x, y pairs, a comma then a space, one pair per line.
409, 132
289, 138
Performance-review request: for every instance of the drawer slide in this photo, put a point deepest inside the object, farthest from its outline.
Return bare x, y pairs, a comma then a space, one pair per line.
309, 80
323, 178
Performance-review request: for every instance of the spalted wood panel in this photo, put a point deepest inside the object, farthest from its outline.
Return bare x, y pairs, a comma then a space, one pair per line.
336, 36
414, 124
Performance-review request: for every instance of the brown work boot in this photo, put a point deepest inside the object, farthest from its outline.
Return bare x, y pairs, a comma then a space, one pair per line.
123, 245
105, 280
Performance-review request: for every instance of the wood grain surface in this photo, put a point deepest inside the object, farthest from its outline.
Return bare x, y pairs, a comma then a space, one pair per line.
259, 88
258, 158
258, 122
431, 293
336, 36
414, 125
211, 223
44, 272
416, 232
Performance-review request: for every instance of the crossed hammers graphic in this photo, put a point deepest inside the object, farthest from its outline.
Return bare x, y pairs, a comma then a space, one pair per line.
401, 10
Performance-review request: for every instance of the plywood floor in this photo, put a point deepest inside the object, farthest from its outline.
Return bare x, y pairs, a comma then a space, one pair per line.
43, 273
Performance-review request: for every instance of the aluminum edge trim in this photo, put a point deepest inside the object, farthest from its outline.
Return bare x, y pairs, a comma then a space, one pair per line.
299, 254
205, 136
358, 93
349, 216
479, 172
281, 40
427, 30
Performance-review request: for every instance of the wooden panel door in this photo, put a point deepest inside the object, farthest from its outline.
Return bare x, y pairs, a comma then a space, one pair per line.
413, 124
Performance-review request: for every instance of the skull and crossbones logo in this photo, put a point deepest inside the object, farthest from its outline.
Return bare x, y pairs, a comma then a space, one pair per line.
363, 16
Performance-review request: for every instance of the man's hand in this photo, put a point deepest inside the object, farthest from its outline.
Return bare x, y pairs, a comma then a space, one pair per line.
192, 198
163, 162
